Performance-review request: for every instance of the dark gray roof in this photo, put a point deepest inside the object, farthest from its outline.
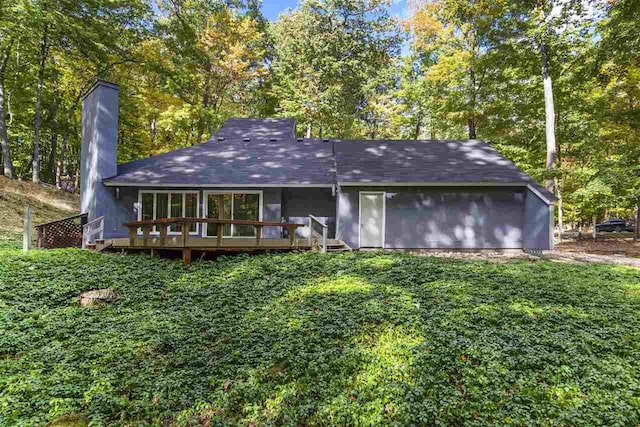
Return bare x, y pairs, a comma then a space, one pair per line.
265, 152
426, 161
235, 162
257, 129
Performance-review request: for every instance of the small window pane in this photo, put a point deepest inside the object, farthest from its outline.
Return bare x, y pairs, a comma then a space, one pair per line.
245, 207
147, 206
214, 211
162, 207
191, 209
176, 210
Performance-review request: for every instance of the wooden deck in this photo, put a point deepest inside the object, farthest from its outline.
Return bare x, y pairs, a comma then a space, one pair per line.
141, 237
207, 243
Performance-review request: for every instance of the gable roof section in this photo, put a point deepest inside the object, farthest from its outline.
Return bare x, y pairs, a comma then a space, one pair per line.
265, 152
234, 163
436, 162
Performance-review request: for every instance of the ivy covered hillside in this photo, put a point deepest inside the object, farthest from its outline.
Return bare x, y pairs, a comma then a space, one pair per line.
312, 339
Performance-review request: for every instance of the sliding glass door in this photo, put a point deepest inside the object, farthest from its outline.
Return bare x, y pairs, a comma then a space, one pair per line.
245, 205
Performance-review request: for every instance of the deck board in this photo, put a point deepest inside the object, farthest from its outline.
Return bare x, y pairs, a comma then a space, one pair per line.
207, 243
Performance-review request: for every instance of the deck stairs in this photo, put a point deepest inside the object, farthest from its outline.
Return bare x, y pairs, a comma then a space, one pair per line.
337, 245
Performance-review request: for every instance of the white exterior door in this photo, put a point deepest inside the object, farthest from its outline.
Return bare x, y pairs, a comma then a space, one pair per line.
372, 219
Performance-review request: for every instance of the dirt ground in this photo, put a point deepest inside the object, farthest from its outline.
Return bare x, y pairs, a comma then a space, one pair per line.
603, 245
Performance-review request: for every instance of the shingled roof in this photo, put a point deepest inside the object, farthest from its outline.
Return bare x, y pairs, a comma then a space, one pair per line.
265, 152
234, 162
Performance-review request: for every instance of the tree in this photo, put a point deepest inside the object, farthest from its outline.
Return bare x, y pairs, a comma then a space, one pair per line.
325, 54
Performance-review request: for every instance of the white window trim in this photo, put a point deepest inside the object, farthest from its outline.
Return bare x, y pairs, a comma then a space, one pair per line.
205, 209
184, 207
384, 215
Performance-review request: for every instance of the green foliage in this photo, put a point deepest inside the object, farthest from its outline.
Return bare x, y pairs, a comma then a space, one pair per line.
312, 339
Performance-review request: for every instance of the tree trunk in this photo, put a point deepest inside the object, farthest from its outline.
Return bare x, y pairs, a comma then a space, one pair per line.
51, 166
44, 48
471, 121
549, 115
636, 236
594, 219
205, 102
61, 168
560, 222
4, 138
471, 124
309, 130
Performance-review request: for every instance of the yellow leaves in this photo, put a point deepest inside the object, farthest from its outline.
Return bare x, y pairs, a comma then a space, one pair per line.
449, 68
232, 44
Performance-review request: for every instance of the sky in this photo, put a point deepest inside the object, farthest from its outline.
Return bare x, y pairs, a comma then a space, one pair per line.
272, 8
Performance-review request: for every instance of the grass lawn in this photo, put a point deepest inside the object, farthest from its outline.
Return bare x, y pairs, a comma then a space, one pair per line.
311, 339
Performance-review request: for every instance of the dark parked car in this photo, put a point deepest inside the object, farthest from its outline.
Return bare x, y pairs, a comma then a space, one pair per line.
615, 225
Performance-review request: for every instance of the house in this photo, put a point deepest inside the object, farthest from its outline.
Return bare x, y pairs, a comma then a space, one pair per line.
370, 194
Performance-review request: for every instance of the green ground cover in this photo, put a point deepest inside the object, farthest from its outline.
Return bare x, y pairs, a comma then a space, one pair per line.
311, 339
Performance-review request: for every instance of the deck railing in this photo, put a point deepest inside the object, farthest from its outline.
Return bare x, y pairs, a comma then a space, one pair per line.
314, 236
184, 224
91, 230
62, 233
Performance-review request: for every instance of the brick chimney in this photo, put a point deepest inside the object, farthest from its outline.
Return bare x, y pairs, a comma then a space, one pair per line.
99, 150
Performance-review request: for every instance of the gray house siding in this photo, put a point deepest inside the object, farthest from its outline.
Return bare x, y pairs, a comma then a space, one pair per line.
298, 203
452, 217
537, 223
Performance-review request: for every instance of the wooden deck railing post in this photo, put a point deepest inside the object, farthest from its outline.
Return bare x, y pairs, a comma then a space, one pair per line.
146, 230
132, 235
219, 232
185, 233
163, 234
292, 234
258, 235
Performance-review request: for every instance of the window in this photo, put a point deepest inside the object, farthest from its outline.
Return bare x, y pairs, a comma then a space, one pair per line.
169, 204
238, 206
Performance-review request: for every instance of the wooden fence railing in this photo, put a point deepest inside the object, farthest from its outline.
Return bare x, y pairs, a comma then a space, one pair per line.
185, 225
62, 233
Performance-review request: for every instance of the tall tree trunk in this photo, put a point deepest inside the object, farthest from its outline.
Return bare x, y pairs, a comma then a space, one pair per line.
309, 130
4, 138
471, 124
44, 48
549, 114
205, 102
471, 121
560, 222
636, 235
51, 166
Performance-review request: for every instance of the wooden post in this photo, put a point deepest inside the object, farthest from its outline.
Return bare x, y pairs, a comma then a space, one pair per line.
39, 237
132, 235
155, 252
258, 235
26, 238
325, 231
185, 233
292, 234
219, 232
163, 234
186, 256
145, 234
